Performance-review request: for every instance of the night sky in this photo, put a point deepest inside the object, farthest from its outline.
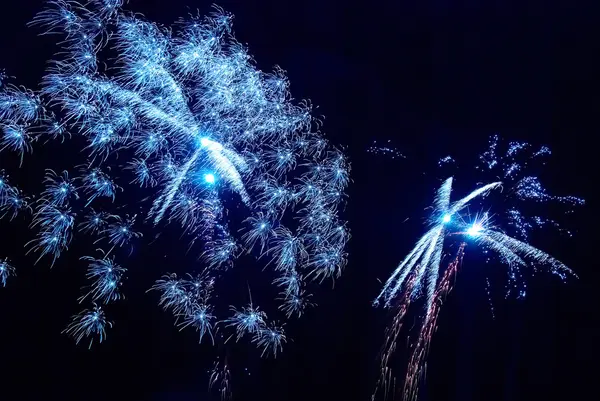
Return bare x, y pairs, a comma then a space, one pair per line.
435, 79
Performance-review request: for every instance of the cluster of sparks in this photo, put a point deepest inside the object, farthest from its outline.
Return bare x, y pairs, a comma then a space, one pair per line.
446, 160
185, 114
387, 150
513, 167
12, 200
418, 275
6, 271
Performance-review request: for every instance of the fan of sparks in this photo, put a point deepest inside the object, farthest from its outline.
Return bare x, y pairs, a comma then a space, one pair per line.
423, 272
185, 116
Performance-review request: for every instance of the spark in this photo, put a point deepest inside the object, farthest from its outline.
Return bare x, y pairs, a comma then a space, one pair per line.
94, 222
59, 188
271, 340
18, 139
294, 304
12, 200
475, 229
248, 320
106, 276
120, 231
387, 150
202, 319
220, 376
6, 270
88, 323
97, 184
55, 226
209, 178
446, 160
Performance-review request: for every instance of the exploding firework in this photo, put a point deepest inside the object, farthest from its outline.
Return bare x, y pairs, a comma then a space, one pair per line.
184, 115
418, 274
12, 200
6, 270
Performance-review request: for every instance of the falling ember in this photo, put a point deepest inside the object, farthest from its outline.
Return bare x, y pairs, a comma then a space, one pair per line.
421, 347
391, 340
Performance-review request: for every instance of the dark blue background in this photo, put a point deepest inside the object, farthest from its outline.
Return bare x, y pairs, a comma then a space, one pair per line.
436, 78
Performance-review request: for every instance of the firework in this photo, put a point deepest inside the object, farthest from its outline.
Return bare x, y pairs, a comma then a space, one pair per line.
94, 222
106, 276
202, 319
88, 323
17, 139
185, 116
59, 188
270, 340
55, 226
417, 275
12, 201
248, 320
6, 270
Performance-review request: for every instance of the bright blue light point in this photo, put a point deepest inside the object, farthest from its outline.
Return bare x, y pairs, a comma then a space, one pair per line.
474, 230
210, 178
446, 218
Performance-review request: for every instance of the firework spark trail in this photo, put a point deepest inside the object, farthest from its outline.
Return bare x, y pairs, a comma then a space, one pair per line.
519, 251
225, 162
391, 340
426, 255
421, 347
164, 200
427, 264
403, 270
228, 164
459, 205
442, 198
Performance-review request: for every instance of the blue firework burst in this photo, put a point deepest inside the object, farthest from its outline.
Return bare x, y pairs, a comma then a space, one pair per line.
184, 122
